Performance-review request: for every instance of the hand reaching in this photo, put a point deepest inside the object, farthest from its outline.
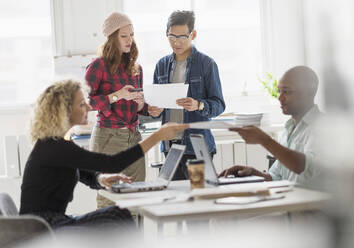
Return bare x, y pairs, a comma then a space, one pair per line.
171, 130
251, 134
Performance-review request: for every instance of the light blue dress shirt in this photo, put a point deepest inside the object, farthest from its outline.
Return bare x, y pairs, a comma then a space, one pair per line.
299, 138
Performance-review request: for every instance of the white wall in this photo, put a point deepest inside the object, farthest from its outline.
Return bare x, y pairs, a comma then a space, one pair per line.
283, 35
329, 39
14, 121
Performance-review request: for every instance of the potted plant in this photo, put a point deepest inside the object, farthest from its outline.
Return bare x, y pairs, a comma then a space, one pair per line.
270, 84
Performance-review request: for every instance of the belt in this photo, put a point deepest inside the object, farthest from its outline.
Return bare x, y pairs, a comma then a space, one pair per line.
133, 128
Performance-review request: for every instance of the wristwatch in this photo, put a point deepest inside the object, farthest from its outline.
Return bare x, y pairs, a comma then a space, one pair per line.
114, 98
200, 105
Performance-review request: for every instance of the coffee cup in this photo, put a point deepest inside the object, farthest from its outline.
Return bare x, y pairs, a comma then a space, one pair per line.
196, 173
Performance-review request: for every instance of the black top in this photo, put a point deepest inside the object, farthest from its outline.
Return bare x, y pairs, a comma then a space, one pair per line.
55, 166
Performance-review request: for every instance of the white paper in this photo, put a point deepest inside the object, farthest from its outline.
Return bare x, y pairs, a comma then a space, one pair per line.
145, 201
278, 184
213, 125
247, 199
165, 95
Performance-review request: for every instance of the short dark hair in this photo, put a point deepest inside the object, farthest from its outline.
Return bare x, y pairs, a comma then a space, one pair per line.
181, 17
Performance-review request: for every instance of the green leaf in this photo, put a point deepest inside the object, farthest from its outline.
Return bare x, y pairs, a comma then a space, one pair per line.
270, 84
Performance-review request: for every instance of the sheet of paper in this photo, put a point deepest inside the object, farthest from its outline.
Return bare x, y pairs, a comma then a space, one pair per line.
247, 199
139, 202
212, 125
165, 95
278, 184
231, 190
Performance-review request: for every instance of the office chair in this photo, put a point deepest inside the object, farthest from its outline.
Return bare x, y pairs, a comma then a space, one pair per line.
7, 205
15, 229
19, 229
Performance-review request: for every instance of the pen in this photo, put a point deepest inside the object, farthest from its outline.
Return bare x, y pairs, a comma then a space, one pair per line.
168, 198
136, 89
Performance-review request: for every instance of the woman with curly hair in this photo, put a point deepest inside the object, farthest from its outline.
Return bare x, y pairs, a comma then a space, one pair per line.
113, 78
55, 165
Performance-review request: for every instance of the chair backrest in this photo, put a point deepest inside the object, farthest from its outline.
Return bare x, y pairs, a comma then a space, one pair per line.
23, 228
7, 205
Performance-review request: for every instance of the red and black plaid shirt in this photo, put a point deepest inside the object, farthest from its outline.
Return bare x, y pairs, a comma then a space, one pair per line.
122, 113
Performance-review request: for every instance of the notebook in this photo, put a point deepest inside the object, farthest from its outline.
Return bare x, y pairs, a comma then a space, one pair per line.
201, 151
165, 176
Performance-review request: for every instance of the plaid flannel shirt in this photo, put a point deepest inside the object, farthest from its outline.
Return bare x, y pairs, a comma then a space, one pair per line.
123, 113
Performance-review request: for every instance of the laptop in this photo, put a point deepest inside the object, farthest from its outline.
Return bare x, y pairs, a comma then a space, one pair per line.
166, 174
201, 151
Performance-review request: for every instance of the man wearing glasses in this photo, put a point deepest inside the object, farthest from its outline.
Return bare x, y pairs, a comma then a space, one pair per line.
204, 98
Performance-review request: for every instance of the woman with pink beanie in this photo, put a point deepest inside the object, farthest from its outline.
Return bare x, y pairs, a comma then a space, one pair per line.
115, 79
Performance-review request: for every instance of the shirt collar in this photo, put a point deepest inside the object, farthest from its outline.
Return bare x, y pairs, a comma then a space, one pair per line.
189, 58
307, 119
311, 115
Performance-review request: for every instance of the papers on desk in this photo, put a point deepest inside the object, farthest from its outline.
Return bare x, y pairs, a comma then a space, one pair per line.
279, 184
230, 190
231, 194
145, 201
247, 199
204, 193
165, 95
274, 188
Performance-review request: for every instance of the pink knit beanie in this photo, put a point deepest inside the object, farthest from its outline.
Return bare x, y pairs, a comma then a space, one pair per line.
114, 22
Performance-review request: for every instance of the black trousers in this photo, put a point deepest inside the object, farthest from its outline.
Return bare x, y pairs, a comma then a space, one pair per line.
103, 217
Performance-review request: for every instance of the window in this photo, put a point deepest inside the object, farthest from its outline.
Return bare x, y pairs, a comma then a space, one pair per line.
150, 21
229, 31
25, 50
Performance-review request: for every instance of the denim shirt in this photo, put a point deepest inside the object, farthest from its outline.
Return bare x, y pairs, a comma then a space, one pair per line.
202, 75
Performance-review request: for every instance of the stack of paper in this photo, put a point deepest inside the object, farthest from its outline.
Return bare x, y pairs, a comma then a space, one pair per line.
225, 191
247, 199
247, 119
240, 120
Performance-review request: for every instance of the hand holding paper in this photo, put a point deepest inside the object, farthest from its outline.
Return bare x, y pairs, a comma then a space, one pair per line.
188, 103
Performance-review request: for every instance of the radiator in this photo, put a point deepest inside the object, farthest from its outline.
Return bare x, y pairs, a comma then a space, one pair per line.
16, 152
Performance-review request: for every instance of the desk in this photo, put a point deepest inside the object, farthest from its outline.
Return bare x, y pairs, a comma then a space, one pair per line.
299, 199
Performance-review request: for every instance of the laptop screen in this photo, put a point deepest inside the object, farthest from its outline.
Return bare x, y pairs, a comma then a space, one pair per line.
201, 152
172, 160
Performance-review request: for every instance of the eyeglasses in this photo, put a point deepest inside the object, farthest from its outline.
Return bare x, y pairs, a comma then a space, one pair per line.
180, 38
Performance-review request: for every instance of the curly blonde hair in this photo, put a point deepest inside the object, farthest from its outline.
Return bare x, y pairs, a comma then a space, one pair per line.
51, 113
111, 55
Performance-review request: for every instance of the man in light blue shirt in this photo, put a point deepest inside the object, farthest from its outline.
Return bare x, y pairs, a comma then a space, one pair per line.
295, 152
